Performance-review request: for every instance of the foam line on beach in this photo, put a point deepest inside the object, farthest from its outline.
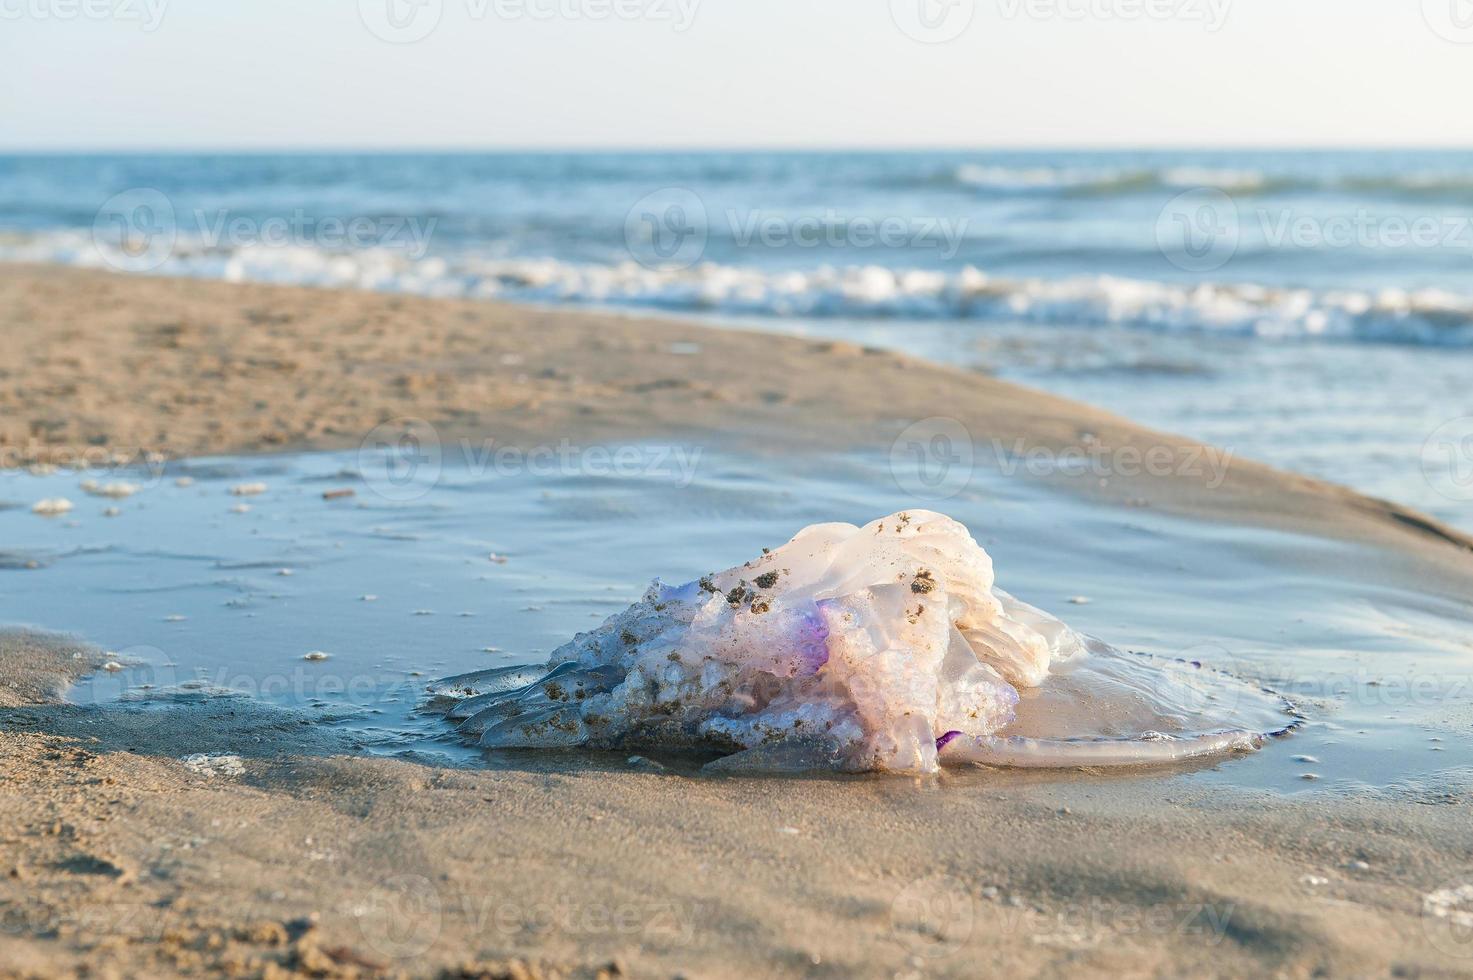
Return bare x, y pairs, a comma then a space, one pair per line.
1429, 316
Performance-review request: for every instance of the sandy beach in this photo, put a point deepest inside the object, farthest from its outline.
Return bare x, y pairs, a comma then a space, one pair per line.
122, 860
175, 367
234, 838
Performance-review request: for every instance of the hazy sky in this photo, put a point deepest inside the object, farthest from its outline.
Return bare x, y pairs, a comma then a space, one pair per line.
626, 73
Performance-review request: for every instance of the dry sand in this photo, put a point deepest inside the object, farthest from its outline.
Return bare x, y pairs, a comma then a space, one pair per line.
120, 858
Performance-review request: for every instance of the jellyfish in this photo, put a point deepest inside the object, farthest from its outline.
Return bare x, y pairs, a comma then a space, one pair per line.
886, 647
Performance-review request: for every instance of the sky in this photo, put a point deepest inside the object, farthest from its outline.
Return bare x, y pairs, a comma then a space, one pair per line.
281, 74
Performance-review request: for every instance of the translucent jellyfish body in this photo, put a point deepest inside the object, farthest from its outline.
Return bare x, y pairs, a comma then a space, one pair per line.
885, 647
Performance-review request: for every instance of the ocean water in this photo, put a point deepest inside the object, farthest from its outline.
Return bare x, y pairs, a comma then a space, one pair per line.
197, 591
1311, 309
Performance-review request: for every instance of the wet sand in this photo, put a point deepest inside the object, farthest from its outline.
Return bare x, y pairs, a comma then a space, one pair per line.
124, 860
123, 852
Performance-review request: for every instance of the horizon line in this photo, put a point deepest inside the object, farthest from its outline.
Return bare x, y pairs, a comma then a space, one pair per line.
366, 149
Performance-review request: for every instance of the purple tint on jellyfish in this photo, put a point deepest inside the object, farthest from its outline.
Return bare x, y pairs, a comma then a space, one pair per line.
813, 632
812, 656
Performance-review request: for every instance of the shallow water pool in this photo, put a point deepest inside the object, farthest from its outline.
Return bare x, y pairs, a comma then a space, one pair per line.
233, 572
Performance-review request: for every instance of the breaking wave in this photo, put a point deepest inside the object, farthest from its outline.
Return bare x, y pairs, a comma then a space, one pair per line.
1432, 317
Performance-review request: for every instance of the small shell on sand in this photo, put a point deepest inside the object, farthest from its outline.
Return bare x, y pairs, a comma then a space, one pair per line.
247, 489
112, 666
51, 506
117, 490
214, 764
316, 655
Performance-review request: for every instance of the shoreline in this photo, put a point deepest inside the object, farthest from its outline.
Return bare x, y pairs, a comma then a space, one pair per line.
137, 365
129, 846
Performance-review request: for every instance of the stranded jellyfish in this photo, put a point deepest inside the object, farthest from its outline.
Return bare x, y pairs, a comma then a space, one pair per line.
878, 648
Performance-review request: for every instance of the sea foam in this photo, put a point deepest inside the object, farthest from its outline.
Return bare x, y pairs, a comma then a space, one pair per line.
1426, 316
878, 648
